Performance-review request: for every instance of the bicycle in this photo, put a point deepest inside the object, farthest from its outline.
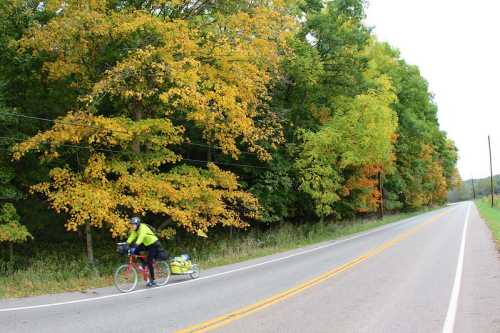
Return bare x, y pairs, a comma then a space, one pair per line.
126, 276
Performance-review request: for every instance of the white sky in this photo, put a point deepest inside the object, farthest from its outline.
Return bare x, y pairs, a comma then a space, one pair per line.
455, 43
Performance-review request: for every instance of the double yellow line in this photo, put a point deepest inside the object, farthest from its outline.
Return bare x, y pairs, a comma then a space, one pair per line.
245, 311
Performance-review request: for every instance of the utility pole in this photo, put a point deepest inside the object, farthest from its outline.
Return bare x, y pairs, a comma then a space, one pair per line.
381, 191
473, 189
491, 173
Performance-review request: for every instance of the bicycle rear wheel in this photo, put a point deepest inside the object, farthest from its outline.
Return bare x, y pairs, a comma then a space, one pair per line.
125, 278
162, 273
195, 272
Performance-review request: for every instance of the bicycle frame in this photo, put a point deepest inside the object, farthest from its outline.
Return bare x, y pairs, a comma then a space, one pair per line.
132, 262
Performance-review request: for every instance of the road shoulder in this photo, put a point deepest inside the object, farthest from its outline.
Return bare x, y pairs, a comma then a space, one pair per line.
479, 301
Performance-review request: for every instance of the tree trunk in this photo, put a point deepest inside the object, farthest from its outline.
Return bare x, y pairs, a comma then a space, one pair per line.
11, 252
136, 146
90, 248
209, 153
381, 193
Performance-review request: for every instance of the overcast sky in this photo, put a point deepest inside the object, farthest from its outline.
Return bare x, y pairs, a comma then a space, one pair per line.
455, 43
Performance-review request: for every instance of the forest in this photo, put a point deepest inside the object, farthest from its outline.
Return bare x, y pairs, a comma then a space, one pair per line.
206, 117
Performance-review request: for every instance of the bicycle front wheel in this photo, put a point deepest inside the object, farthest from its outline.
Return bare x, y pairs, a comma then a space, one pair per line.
125, 278
162, 273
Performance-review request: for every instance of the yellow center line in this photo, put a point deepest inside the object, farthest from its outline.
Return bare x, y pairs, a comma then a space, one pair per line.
247, 310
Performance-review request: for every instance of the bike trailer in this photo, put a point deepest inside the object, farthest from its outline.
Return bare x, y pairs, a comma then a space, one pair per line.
181, 264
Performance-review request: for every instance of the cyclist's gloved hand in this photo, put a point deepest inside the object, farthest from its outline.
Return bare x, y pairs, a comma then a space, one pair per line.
133, 249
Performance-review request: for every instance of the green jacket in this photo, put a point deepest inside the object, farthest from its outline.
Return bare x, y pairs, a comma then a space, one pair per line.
143, 234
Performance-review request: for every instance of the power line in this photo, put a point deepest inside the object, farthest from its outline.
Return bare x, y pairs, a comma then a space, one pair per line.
101, 128
228, 164
69, 146
119, 152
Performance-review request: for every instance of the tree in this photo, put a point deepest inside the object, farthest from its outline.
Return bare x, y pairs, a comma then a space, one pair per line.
199, 114
425, 158
360, 135
142, 81
349, 122
11, 231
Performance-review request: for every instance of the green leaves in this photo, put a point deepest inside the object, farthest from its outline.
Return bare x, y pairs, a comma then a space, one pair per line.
306, 113
10, 228
142, 80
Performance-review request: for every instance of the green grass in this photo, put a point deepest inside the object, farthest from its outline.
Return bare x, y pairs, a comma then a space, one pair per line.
67, 270
286, 237
491, 215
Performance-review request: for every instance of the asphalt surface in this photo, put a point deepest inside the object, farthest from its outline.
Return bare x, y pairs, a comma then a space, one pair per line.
398, 278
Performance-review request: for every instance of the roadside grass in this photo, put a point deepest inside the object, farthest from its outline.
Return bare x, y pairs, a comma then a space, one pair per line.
491, 215
286, 237
68, 270
50, 273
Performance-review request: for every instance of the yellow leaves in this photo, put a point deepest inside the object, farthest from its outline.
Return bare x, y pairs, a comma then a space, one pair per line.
225, 179
167, 233
83, 198
214, 75
355, 136
217, 75
140, 76
60, 69
192, 198
428, 185
456, 180
90, 131
14, 232
201, 233
75, 5
70, 41
434, 176
226, 80
10, 228
96, 169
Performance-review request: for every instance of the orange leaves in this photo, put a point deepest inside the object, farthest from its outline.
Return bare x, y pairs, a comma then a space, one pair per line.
362, 186
354, 137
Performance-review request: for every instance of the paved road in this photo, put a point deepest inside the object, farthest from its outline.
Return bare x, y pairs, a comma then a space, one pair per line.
398, 278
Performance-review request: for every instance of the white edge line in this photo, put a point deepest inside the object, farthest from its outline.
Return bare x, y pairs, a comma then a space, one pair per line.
364, 234
449, 323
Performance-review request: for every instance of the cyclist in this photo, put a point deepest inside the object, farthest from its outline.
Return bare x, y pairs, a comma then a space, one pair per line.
142, 238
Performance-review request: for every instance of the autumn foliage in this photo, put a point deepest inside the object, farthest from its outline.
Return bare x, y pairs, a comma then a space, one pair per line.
206, 114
